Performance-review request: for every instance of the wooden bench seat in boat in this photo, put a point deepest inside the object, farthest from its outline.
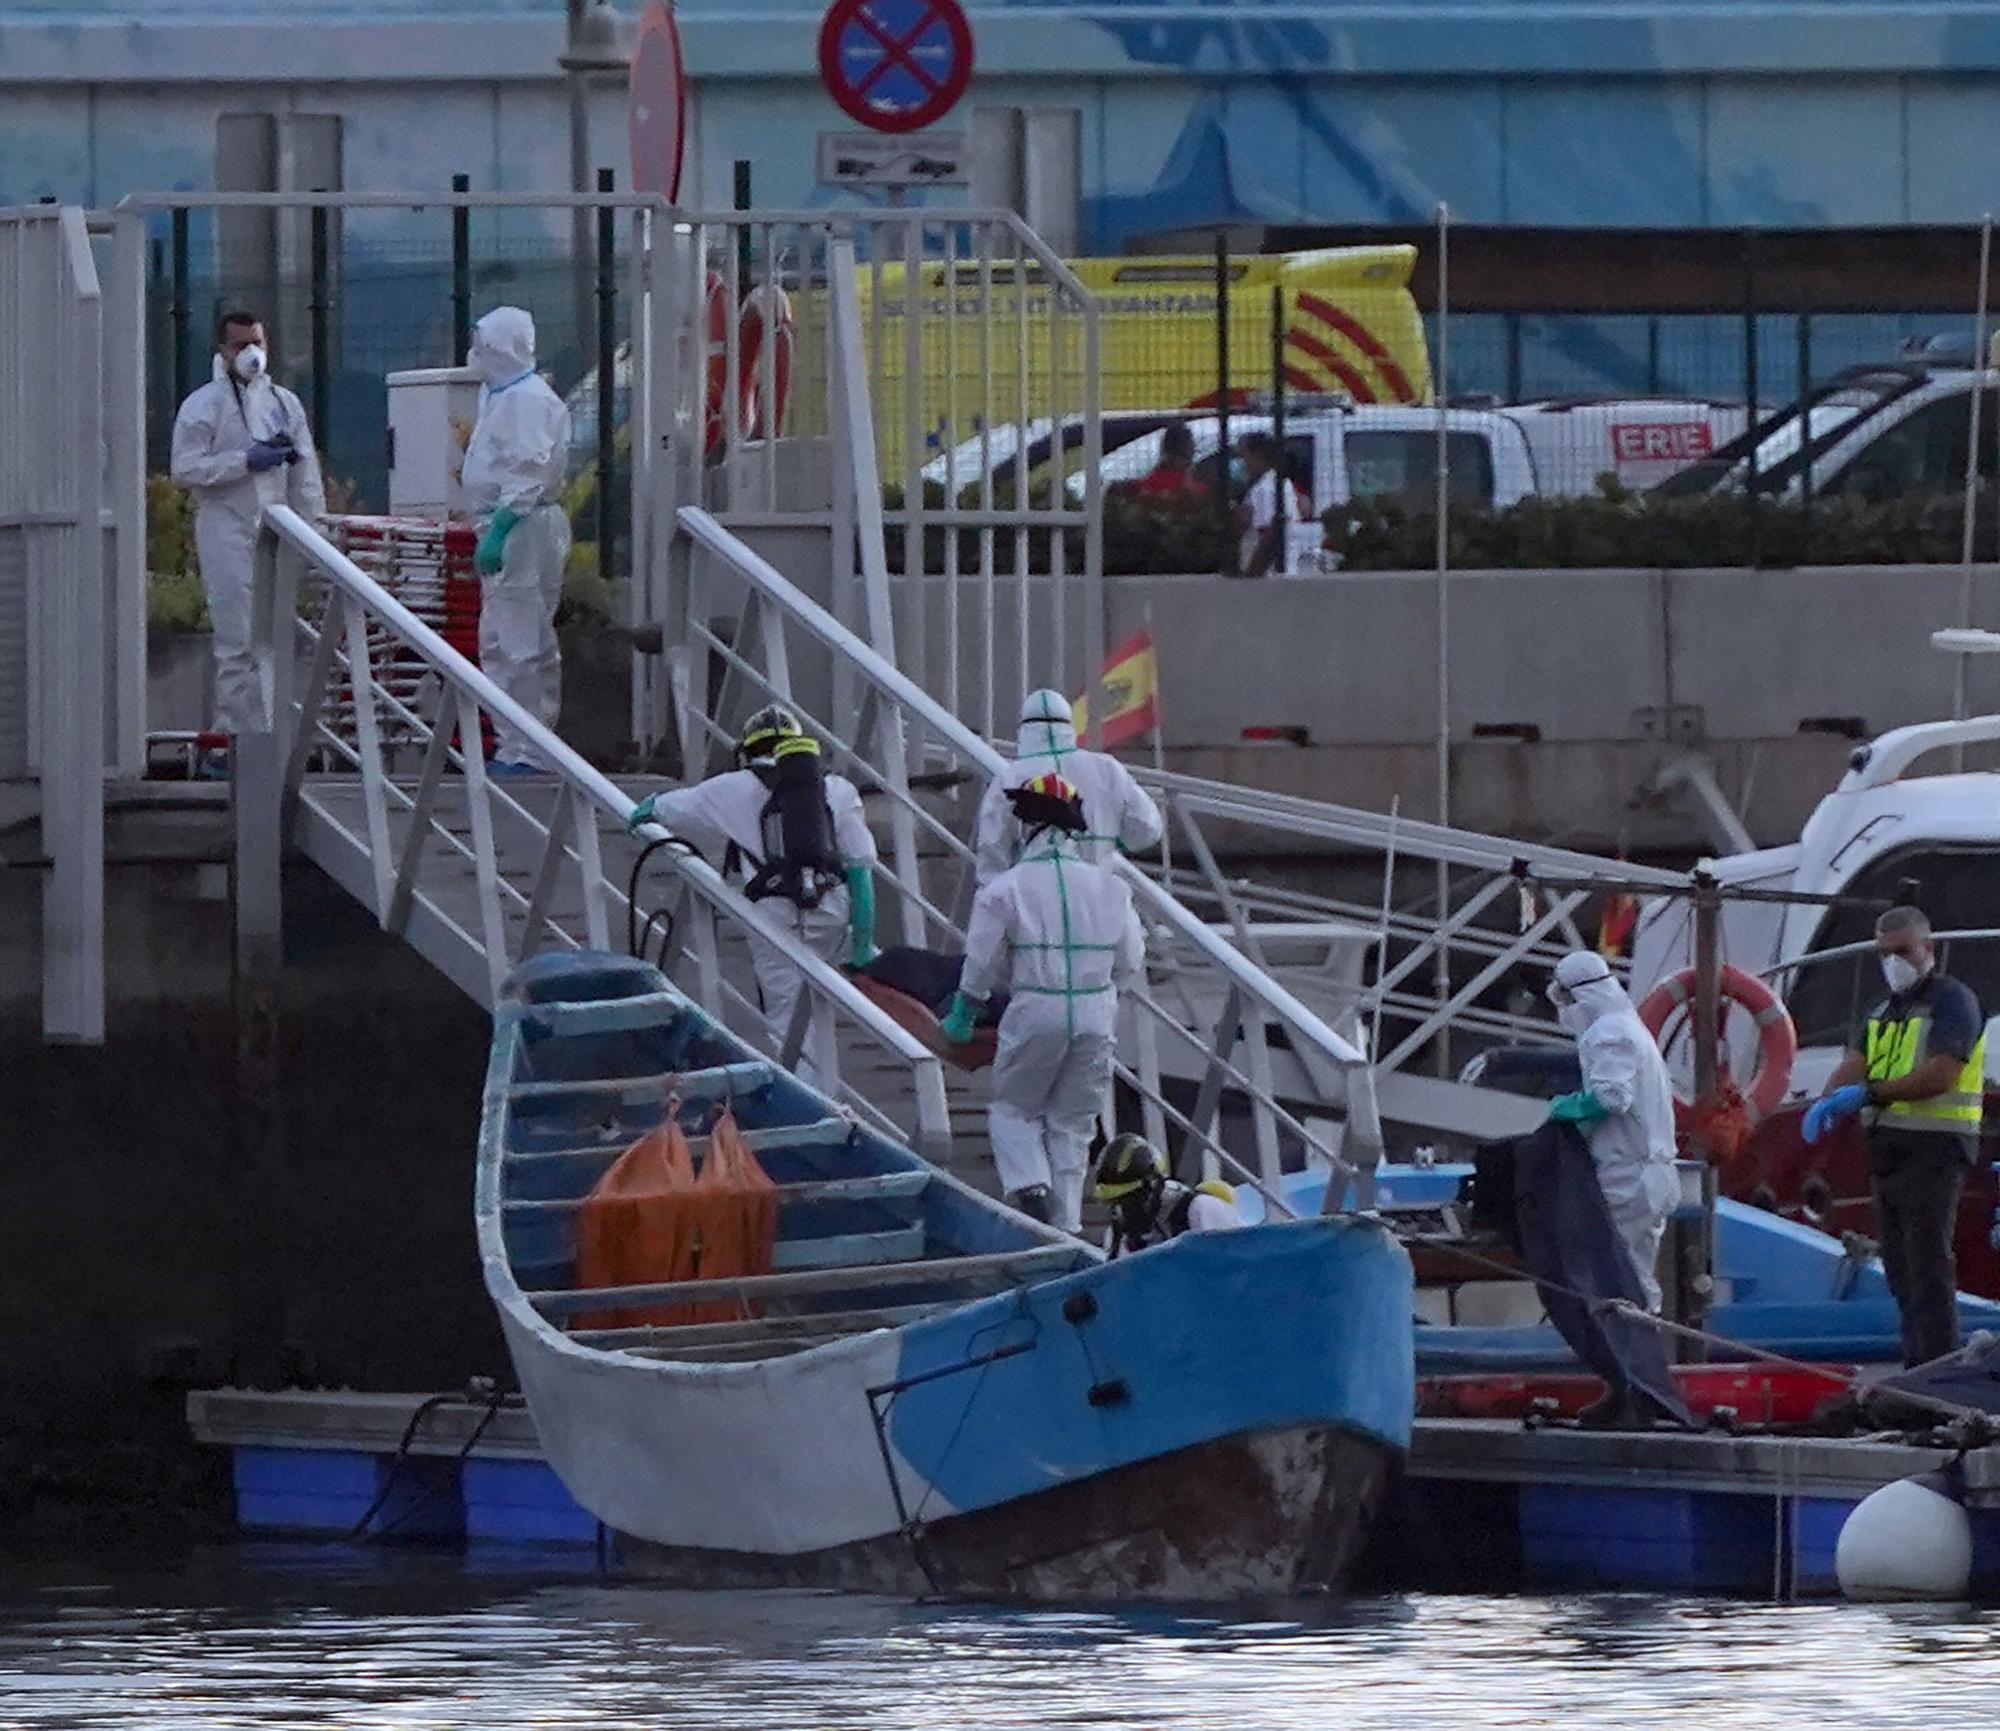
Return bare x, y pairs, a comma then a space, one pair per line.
994, 1271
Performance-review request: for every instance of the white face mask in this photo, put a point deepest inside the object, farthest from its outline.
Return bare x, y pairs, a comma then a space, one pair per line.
1902, 973
251, 362
1573, 1017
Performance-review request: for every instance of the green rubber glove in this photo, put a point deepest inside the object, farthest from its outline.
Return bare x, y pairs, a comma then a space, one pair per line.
486, 557
959, 1019
861, 948
642, 814
1579, 1109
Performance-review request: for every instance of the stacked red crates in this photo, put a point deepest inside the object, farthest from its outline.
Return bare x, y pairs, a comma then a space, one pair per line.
427, 566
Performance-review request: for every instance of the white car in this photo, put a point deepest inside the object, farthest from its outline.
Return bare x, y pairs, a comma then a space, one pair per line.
1871, 432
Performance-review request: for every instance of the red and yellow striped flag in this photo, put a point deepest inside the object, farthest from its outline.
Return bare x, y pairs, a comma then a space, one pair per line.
1129, 688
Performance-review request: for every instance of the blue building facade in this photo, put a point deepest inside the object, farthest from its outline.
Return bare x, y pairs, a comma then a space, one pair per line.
1185, 116
1531, 112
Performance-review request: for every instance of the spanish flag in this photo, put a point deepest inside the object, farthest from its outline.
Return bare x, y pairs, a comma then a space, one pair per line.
1617, 923
1129, 688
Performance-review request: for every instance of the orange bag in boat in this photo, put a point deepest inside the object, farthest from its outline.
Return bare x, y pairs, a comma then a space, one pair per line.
736, 1210
637, 1226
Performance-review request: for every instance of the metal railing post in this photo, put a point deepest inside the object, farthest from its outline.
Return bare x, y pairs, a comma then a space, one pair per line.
461, 275
607, 369
320, 311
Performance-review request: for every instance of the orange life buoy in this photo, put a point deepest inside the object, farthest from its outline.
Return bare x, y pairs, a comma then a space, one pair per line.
1777, 1039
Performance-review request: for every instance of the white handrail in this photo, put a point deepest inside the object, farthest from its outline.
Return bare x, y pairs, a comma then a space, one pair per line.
814, 619
600, 791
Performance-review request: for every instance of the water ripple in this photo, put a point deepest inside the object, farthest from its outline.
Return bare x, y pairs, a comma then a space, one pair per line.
276, 1638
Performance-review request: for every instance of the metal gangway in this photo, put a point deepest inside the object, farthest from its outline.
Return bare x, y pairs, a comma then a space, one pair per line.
479, 873
945, 583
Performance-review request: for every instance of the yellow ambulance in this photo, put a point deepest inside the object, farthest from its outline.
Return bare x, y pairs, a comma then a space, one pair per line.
1347, 327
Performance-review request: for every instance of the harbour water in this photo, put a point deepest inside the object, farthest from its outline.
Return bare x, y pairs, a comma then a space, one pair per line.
276, 1637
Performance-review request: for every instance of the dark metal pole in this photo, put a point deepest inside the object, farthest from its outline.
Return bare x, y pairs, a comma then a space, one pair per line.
1805, 442
740, 197
1750, 397
320, 309
607, 364
179, 309
1513, 357
1222, 499
1653, 355
1278, 385
461, 273
1707, 1037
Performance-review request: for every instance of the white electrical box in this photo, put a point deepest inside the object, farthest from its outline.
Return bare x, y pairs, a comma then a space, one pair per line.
431, 411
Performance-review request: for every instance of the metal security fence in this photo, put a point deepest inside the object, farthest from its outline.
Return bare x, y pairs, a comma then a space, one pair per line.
1608, 403
375, 307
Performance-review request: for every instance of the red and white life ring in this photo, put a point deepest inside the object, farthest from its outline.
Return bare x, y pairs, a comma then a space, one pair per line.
715, 379
765, 316
1777, 1039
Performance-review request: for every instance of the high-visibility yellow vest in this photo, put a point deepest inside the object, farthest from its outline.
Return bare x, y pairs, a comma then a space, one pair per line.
1897, 1047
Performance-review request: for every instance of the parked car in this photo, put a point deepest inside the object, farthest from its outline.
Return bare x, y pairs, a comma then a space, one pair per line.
1871, 432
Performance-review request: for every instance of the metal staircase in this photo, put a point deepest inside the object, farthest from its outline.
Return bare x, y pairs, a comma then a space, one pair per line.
1271, 1016
478, 873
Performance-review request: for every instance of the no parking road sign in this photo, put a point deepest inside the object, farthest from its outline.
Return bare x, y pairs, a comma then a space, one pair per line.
895, 65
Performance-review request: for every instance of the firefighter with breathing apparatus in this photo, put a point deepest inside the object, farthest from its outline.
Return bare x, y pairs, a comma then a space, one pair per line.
796, 838
1147, 1206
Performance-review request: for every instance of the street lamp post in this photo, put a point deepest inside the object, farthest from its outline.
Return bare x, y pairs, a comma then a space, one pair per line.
594, 42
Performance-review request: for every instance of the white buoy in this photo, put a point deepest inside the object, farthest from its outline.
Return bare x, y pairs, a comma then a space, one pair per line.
1909, 1540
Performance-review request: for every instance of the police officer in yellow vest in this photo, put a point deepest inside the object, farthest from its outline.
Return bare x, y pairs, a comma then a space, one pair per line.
1916, 1068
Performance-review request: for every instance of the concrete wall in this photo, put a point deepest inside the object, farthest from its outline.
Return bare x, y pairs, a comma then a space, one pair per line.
141, 1243
1613, 671
1569, 688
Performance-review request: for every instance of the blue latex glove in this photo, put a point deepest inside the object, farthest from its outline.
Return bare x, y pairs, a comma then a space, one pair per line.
959, 1019
486, 557
268, 454
1835, 1108
642, 814
1579, 1109
861, 948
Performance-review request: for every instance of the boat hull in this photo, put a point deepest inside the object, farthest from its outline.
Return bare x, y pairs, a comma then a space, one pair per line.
1267, 1515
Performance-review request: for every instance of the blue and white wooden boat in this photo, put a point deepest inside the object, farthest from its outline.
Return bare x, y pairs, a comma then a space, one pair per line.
937, 1393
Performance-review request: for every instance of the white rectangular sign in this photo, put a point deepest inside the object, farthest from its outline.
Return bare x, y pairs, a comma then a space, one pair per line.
892, 159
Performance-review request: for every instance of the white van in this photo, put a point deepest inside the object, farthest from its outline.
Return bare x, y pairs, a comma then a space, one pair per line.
1639, 441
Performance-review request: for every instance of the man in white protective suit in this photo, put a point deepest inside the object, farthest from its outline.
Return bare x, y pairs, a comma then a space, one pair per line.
1059, 932
1117, 811
797, 840
241, 442
512, 482
1625, 1107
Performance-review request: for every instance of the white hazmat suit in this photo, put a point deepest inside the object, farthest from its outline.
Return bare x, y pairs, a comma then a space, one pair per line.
514, 463
729, 809
1060, 932
1632, 1145
213, 434
1119, 812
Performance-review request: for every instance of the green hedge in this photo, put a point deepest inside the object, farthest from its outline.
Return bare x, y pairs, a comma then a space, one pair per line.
1609, 529
1613, 528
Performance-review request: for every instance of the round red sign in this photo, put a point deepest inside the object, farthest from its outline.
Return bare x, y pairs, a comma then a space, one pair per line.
657, 97
895, 65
